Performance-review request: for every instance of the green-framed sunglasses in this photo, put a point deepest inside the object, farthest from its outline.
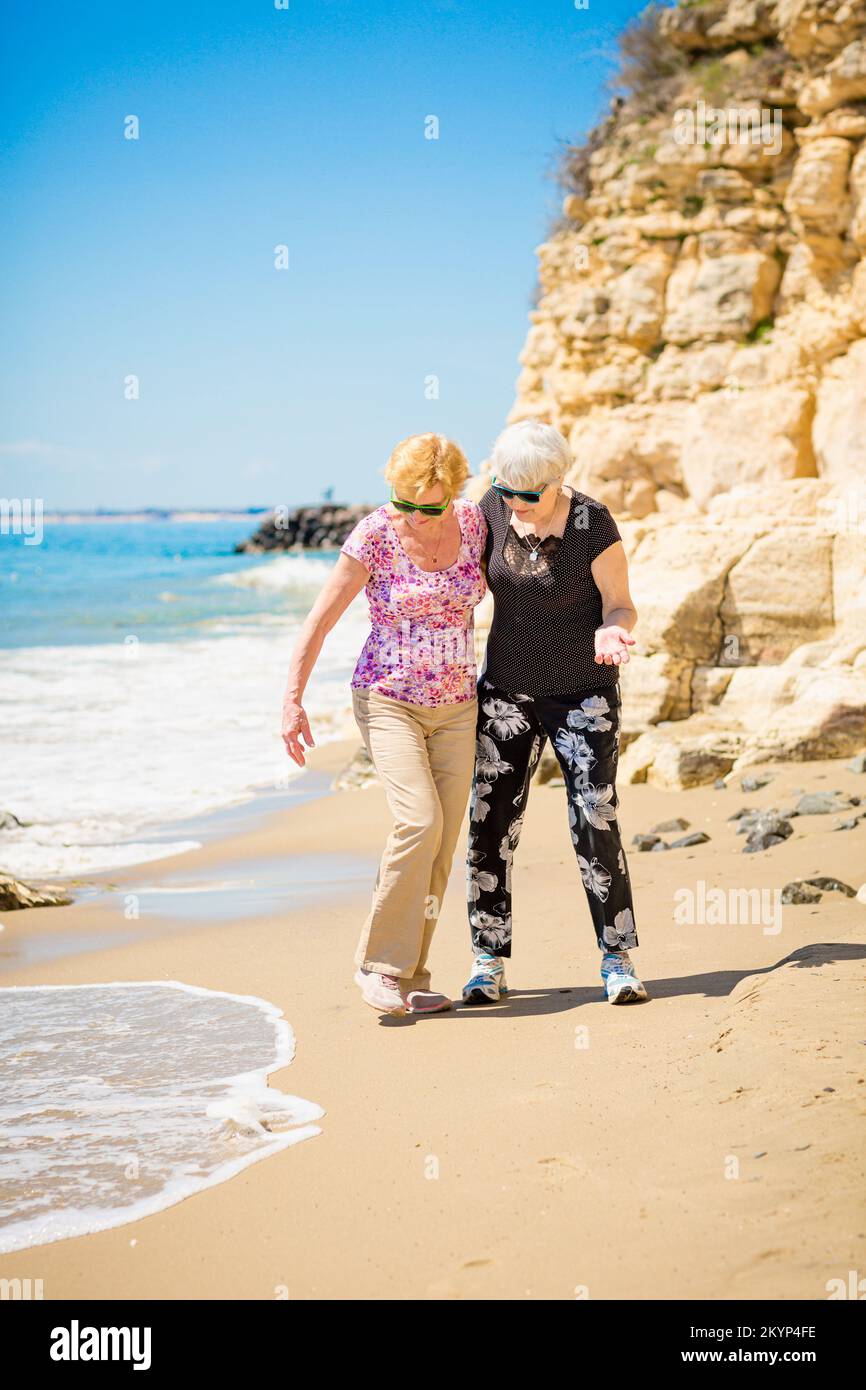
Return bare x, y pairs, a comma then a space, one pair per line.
426, 510
519, 493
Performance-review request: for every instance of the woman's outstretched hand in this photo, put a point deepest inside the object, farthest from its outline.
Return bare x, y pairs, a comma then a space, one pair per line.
612, 644
296, 726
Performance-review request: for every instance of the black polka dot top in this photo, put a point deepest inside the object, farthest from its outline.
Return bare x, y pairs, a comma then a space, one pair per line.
546, 607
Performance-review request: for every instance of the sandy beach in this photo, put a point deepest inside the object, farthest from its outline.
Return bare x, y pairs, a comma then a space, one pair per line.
706, 1144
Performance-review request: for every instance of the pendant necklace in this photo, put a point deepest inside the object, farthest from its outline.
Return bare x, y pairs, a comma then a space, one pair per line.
435, 555
534, 549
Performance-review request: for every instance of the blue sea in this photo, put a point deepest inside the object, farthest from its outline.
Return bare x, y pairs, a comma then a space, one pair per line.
142, 665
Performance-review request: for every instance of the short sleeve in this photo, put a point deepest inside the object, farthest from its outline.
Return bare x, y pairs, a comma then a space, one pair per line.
603, 531
359, 544
477, 527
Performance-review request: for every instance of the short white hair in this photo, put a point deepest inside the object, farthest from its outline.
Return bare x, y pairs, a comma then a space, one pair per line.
529, 455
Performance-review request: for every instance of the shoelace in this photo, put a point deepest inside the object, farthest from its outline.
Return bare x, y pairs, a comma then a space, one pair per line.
617, 965
484, 964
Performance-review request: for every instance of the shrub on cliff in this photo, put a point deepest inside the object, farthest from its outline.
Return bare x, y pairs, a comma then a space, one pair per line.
650, 74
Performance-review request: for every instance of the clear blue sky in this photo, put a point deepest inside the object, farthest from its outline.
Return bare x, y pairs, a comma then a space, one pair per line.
261, 126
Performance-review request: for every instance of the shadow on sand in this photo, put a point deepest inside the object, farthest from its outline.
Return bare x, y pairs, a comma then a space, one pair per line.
714, 984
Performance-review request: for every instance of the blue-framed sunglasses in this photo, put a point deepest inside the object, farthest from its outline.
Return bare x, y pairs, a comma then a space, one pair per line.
521, 494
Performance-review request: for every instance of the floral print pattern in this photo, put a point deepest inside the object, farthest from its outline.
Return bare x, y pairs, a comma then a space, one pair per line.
421, 646
512, 732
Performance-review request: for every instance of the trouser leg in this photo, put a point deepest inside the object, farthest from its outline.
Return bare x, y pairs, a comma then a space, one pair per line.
584, 731
393, 935
450, 750
508, 747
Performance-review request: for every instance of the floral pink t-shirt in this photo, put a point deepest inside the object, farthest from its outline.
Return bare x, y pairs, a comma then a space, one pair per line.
421, 646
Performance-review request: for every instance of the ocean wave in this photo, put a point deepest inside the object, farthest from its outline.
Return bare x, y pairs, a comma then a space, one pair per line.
106, 744
283, 572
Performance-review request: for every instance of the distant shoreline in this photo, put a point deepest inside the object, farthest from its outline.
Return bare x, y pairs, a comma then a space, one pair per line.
157, 514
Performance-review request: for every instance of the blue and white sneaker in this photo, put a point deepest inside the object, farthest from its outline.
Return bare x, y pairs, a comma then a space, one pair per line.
486, 984
621, 984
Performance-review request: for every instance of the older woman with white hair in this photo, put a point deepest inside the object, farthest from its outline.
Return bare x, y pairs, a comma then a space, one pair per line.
561, 629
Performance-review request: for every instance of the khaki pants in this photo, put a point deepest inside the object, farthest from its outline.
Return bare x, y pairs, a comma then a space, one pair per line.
424, 757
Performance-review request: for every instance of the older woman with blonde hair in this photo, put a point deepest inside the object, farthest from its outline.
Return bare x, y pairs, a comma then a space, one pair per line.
419, 556
561, 629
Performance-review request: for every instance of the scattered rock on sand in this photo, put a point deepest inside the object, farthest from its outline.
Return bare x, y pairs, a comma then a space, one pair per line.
798, 892
666, 827
357, 774
8, 821
810, 890
753, 784
829, 884
822, 804
697, 837
15, 894
768, 830
645, 842
857, 763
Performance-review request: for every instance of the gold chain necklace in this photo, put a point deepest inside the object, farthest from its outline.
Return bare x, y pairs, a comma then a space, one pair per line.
435, 554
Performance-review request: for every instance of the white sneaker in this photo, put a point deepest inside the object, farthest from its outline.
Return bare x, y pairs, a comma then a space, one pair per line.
486, 984
381, 992
621, 983
427, 1001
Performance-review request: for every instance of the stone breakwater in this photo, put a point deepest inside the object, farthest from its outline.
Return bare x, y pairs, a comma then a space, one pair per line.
324, 527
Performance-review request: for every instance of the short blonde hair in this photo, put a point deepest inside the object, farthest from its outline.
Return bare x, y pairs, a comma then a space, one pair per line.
422, 461
529, 455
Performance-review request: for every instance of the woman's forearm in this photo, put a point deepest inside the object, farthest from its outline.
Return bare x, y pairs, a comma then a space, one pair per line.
303, 659
620, 617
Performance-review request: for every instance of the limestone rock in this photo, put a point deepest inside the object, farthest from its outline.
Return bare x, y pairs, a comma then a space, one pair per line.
656, 686
818, 192
678, 763
631, 442
843, 80
778, 595
718, 439
839, 429
679, 574
818, 28
811, 498
716, 24
719, 296
795, 713
14, 895
682, 373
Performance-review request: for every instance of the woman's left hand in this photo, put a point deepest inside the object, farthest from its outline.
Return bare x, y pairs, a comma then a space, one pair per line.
612, 644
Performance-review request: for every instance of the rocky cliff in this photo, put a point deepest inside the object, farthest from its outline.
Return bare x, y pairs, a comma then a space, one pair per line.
700, 337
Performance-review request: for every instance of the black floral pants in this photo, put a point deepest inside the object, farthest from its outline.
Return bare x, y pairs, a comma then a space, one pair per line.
512, 730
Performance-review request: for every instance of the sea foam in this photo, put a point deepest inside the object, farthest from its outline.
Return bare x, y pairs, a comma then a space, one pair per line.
122, 1099
130, 738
